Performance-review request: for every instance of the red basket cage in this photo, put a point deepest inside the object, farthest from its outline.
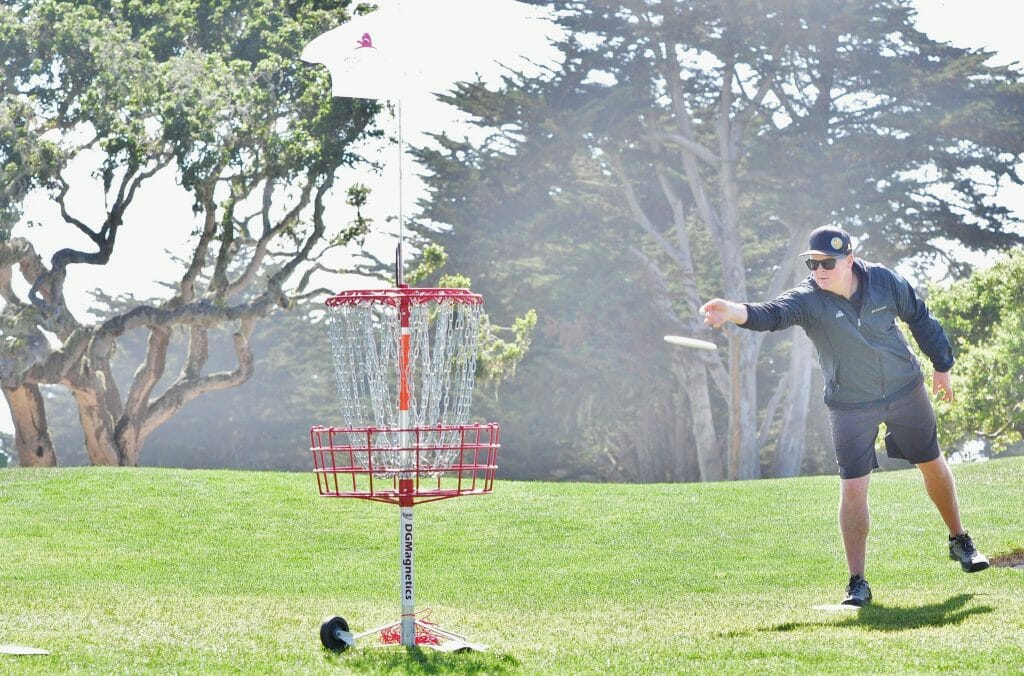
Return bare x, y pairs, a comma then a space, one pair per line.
442, 461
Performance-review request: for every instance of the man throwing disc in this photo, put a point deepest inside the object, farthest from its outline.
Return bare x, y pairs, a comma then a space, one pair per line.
848, 309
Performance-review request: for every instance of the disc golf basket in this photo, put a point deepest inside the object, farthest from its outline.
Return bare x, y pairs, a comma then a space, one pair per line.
405, 360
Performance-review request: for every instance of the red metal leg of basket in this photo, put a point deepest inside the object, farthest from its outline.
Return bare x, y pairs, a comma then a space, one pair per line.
425, 633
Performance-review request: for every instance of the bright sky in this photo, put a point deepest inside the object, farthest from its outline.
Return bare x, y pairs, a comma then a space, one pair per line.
505, 32
994, 25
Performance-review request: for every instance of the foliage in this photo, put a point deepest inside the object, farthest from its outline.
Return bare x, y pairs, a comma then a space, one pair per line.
28, 160
233, 571
533, 228
849, 115
261, 424
496, 357
684, 150
985, 322
214, 92
431, 259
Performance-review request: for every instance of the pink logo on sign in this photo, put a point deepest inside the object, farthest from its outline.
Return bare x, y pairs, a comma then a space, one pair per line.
365, 41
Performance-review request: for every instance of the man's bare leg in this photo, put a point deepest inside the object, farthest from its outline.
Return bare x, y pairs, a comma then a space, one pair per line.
941, 487
854, 521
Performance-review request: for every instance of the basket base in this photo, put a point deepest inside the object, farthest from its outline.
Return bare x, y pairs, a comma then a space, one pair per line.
428, 635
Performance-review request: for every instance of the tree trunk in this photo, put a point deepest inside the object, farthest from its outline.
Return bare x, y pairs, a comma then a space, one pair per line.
789, 453
685, 460
751, 450
687, 463
744, 452
694, 381
129, 444
31, 434
97, 426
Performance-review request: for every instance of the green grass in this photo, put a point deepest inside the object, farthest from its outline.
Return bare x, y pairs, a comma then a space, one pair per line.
173, 571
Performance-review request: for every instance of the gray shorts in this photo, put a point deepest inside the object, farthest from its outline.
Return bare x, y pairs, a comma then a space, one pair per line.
911, 433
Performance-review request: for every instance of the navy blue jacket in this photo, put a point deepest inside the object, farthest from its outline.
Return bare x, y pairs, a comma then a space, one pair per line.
864, 357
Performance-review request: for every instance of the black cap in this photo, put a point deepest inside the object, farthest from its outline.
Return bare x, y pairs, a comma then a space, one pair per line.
829, 240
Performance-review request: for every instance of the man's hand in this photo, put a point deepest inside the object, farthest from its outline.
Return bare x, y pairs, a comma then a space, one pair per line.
718, 311
941, 382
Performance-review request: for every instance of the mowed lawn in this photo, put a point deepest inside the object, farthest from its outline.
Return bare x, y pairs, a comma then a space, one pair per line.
176, 571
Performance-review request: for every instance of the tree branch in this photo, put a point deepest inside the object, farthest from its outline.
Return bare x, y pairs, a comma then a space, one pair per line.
20, 251
187, 389
68, 218
269, 233
743, 117
691, 170
219, 281
187, 285
692, 328
274, 291
638, 212
685, 260
687, 145
787, 267
149, 374
198, 352
785, 102
769, 410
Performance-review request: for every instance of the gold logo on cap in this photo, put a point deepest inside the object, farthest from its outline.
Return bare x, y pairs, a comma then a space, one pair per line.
837, 243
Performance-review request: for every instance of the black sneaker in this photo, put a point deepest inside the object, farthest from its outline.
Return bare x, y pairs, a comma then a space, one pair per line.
858, 593
961, 548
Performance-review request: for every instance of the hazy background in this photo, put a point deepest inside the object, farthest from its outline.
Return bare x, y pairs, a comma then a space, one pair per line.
263, 424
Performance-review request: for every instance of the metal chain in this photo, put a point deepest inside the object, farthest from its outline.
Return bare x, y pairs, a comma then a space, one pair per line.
365, 344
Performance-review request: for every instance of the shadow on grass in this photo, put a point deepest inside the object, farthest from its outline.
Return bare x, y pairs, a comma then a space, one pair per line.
420, 661
952, 611
878, 617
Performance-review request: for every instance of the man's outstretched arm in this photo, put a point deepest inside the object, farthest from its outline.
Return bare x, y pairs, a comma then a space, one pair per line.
718, 311
788, 309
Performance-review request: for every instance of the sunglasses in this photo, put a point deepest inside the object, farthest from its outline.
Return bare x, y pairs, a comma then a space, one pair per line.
828, 263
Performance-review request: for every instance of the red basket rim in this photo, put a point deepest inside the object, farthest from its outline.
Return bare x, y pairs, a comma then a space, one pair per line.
394, 296
439, 427
340, 473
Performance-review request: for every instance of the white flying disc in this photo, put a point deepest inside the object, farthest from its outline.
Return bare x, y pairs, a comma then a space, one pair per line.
683, 341
8, 649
